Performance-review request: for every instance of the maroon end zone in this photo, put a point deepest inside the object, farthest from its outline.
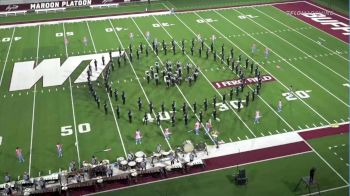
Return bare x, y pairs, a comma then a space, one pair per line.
237, 82
321, 18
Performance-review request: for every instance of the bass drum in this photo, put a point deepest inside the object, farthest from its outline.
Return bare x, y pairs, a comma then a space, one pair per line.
188, 146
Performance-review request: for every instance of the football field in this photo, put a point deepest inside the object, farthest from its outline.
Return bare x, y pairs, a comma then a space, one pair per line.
45, 99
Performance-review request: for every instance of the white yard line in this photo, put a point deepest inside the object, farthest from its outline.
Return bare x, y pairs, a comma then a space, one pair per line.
326, 190
109, 98
33, 112
72, 102
206, 78
7, 55
188, 103
305, 53
204, 172
259, 64
301, 72
274, 111
334, 13
335, 171
138, 80
330, 50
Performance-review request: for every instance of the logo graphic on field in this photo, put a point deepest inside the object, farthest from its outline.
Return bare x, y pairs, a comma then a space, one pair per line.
26, 74
11, 8
237, 82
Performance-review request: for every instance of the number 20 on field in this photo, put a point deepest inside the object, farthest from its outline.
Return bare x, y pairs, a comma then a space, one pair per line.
82, 128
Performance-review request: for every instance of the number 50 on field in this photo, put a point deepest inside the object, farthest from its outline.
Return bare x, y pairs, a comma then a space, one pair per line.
82, 128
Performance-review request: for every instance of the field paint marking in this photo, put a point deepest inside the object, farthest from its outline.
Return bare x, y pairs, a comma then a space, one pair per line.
205, 75
0, 140
270, 133
263, 66
143, 90
304, 51
314, 125
7, 55
307, 126
298, 31
247, 137
188, 103
335, 171
258, 95
33, 112
225, 63
262, 134
285, 130
239, 138
299, 127
277, 131
326, 10
109, 98
326, 190
72, 103
203, 172
322, 87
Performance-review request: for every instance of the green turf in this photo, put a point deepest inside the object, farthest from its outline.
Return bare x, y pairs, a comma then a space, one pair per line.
266, 178
70, 105
341, 6
335, 149
129, 8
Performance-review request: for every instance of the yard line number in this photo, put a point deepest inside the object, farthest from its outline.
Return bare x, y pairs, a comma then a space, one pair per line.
246, 16
164, 24
60, 34
302, 94
221, 107
8, 39
208, 20
82, 128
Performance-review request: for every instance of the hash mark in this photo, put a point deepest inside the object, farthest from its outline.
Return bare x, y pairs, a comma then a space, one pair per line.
239, 138
262, 134
247, 137
299, 127
277, 131
285, 130
307, 126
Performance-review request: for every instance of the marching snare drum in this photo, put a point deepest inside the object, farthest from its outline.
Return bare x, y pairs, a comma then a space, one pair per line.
139, 154
123, 165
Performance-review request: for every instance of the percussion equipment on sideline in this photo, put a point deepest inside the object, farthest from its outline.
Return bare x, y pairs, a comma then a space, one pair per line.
164, 153
119, 159
105, 162
124, 165
157, 155
132, 170
188, 146
200, 147
132, 164
140, 154
138, 162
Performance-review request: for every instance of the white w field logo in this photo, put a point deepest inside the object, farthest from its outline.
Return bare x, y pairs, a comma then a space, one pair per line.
25, 75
